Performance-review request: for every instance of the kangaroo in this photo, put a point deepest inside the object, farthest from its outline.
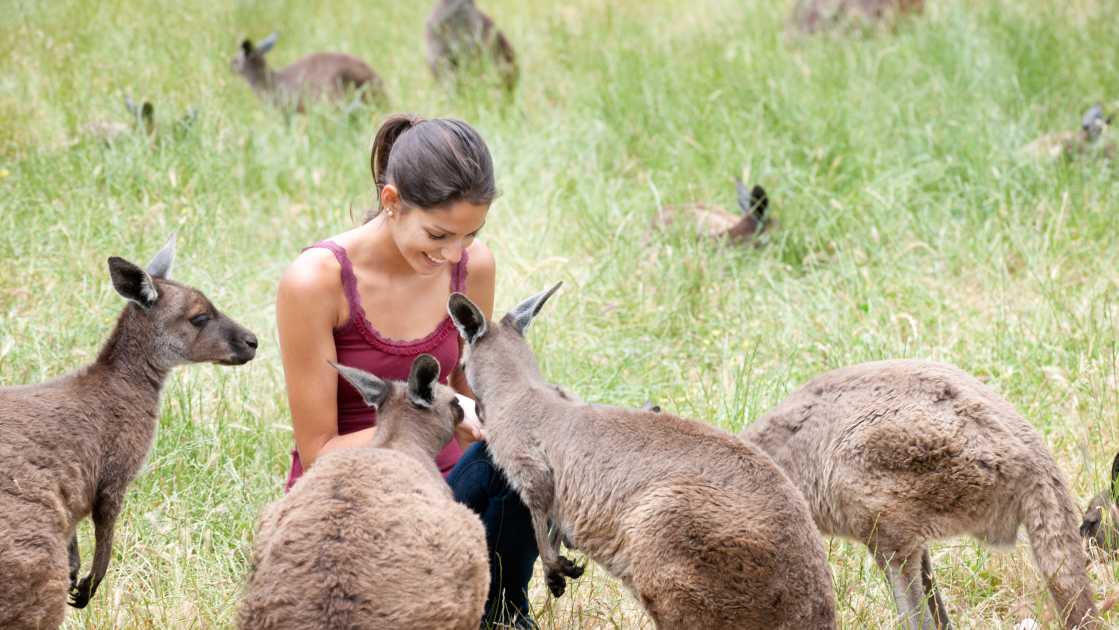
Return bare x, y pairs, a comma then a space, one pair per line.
143, 119
712, 221
1100, 525
371, 537
457, 34
72, 445
318, 75
702, 528
810, 16
899, 453
1089, 139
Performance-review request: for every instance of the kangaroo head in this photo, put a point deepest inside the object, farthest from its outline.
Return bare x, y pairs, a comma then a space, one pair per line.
250, 62
422, 411
493, 351
141, 114
1101, 520
1093, 123
180, 323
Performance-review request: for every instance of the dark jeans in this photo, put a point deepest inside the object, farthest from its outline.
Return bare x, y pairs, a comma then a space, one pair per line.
478, 484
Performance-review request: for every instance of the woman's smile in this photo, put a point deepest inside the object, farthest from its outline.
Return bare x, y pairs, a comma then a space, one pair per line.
434, 262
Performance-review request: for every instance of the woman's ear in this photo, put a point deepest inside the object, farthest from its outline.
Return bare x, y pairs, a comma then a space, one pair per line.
390, 199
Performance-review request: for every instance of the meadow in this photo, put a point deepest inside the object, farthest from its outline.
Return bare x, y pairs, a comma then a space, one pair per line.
910, 225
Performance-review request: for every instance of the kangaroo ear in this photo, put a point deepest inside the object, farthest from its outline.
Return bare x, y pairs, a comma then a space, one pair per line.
373, 390
469, 320
744, 202
521, 315
267, 44
131, 106
160, 266
1115, 476
421, 381
132, 283
1090, 116
247, 47
147, 114
1091, 523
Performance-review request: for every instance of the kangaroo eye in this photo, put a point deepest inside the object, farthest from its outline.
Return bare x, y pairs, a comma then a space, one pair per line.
198, 321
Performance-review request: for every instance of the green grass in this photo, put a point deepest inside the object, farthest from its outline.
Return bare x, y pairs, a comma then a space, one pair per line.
910, 226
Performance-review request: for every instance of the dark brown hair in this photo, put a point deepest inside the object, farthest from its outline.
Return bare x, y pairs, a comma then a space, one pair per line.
431, 163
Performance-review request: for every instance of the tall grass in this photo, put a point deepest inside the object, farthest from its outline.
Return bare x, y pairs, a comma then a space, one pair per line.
910, 226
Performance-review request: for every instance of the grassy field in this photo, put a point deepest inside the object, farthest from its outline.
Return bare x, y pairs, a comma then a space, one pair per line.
910, 226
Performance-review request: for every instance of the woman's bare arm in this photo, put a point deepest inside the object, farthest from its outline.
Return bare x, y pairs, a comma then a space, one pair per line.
308, 307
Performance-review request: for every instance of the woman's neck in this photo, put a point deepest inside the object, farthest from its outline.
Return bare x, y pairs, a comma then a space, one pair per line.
375, 247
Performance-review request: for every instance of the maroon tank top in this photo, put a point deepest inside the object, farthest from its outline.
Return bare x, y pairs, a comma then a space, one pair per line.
358, 344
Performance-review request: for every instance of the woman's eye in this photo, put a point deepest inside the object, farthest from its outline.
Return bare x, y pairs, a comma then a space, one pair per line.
436, 237
198, 321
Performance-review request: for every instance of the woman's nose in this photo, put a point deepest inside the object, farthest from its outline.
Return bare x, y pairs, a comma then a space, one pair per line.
453, 253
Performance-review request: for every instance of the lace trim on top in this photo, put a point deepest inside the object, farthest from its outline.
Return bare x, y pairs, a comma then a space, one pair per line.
360, 323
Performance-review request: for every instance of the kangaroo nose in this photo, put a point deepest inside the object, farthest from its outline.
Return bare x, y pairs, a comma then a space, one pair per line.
250, 341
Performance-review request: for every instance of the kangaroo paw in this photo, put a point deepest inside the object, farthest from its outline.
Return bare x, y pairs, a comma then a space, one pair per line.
570, 569
80, 594
556, 583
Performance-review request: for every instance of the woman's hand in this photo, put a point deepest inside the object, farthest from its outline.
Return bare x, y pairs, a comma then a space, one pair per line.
470, 429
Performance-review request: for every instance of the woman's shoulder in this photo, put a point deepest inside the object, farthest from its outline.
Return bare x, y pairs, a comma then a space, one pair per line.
480, 263
480, 276
315, 273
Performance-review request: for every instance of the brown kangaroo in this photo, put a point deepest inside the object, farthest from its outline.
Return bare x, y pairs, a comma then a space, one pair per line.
371, 537
703, 528
712, 221
1091, 139
811, 16
898, 453
318, 75
71, 445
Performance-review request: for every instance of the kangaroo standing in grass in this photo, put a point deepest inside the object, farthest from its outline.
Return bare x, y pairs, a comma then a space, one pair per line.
318, 75
703, 528
899, 453
359, 541
71, 445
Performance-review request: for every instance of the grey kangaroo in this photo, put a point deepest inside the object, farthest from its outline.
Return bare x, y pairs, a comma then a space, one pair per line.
71, 445
703, 528
899, 453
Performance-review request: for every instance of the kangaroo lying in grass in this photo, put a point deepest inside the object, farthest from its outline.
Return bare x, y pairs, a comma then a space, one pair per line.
899, 453
143, 119
712, 221
319, 75
704, 529
810, 16
371, 537
72, 445
1092, 138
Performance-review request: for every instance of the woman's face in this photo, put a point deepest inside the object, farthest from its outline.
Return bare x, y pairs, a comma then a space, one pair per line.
432, 239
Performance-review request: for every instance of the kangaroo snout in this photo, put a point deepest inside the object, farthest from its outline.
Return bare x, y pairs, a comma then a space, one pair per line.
243, 346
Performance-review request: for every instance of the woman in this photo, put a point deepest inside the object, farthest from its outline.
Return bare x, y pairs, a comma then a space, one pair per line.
375, 297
